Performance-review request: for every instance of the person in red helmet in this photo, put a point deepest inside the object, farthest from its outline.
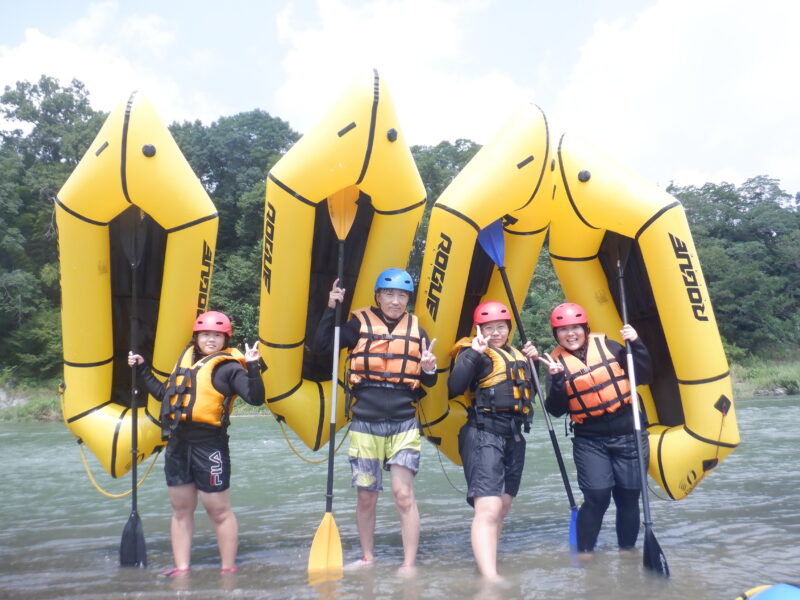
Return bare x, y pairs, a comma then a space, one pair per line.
196, 403
496, 378
588, 379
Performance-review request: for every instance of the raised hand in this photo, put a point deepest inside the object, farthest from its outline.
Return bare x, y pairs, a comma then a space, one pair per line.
134, 359
251, 354
629, 333
336, 294
529, 350
428, 358
479, 343
553, 366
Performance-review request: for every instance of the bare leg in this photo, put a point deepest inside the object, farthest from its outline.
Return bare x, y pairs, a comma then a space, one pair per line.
365, 519
218, 507
183, 499
507, 500
486, 527
406, 503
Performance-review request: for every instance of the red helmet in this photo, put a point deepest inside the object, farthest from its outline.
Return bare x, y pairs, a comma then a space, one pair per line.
490, 311
213, 321
568, 313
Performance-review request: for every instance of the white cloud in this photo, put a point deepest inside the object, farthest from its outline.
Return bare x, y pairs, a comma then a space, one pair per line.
112, 54
692, 89
417, 45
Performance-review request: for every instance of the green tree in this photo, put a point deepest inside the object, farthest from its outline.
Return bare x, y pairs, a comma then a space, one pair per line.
747, 240
437, 165
54, 126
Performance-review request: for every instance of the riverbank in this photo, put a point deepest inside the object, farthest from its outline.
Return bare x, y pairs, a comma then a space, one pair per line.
25, 402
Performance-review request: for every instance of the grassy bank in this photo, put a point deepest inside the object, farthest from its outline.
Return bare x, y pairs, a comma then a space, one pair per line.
40, 402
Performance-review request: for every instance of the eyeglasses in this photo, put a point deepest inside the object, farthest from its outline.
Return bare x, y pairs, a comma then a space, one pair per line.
488, 330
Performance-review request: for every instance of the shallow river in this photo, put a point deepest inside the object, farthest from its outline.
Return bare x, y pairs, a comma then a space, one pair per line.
59, 538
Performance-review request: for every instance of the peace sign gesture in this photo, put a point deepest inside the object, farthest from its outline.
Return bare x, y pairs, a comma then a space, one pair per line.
479, 343
427, 358
251, 354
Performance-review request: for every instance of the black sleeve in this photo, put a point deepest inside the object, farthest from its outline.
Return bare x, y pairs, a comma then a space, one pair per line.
464, 369
229, 378
323, 339
153, 386
556, 402
642, 365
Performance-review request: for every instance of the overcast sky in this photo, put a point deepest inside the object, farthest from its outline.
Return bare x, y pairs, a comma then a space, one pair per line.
688, 91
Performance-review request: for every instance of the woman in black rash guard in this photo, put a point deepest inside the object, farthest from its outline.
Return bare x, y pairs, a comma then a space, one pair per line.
588, 380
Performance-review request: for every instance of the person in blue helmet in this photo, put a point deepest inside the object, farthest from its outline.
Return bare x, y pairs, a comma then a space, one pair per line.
391, 358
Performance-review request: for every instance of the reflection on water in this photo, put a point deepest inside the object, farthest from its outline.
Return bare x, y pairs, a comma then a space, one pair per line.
60, 538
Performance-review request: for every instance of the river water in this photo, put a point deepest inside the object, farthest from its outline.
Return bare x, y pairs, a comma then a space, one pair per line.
59, 538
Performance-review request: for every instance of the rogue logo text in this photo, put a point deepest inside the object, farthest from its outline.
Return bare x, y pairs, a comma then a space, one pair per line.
438, 273
205, 278
689, 278
269, 235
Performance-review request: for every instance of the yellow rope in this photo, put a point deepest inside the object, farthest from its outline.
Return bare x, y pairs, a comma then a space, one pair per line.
300, 456
109, 494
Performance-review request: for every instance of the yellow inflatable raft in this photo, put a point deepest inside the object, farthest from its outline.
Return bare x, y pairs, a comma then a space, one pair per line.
357, 151
132, 199
508, 178
602, 212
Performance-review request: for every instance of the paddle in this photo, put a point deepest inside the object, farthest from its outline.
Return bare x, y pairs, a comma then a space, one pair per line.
492, 241
132, 551
325, 557
653, 558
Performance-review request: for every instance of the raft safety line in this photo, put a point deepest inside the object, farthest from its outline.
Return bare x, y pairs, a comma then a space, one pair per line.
702, 381
89, 473
400, 211
124, 149
709, 442
289, 190
193, 223
544, 161
300, 456
573, 258
281, 346
655, 217
77, 215
88, 365
534, 232
90, 411
461, 216
114, 442
372, 122
566, 187
286, 394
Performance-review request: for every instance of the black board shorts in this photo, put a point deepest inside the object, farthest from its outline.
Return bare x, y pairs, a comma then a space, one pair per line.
206, 463
493, 462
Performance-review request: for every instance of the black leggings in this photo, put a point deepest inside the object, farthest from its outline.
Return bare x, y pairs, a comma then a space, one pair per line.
595, 504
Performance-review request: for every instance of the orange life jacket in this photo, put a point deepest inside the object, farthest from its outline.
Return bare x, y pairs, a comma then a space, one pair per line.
381, 356
596, 387
191, 395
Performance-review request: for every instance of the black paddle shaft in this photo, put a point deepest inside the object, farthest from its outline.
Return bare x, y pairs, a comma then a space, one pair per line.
535, 378
635, 399
334, 382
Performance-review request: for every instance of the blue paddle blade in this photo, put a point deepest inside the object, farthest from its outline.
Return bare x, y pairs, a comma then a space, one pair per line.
573, 529
491, 240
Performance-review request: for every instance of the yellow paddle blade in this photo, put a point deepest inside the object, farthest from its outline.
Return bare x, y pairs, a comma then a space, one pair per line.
325, 559
342, 208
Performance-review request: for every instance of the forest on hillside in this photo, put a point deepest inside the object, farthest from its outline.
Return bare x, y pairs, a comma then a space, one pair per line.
747, 236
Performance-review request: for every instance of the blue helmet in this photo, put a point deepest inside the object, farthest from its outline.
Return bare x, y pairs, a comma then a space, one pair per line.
394, 279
